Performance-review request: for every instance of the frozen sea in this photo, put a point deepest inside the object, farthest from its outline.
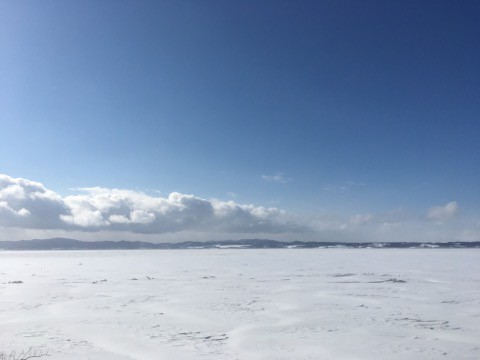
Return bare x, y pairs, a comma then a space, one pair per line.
243, 304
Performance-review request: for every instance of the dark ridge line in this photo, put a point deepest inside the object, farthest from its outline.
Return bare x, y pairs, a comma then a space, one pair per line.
71, 244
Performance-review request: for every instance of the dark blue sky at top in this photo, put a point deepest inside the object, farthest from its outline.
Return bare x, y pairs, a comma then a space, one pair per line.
364, 105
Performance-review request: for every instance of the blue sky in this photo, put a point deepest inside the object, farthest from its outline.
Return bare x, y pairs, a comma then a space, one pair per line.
317, 108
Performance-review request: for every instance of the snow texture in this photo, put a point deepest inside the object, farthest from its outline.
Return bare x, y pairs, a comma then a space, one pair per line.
242, 304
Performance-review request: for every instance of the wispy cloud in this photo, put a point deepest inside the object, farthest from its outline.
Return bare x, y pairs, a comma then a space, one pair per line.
360, 219
343, 187
278, 178
335, 189
355, 183
442, 213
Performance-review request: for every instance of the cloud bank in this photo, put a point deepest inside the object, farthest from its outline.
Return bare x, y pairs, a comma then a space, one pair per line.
28, 204
28, 209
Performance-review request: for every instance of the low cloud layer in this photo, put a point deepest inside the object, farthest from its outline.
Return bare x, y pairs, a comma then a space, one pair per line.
442, 213
29, 209
28, 204
25, 203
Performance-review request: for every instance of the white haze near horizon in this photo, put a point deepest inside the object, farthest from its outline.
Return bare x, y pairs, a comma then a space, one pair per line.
28, 210
369, 304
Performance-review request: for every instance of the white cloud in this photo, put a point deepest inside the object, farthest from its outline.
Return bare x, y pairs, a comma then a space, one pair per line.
28, 204
441, 213
278, 178
142, 217
345, 187
360, 218
28, 209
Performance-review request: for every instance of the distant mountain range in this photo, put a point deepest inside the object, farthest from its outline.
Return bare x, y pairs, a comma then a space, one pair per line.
71, 244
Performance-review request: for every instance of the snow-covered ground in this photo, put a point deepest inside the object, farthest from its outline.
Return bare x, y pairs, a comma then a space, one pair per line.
243, 304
